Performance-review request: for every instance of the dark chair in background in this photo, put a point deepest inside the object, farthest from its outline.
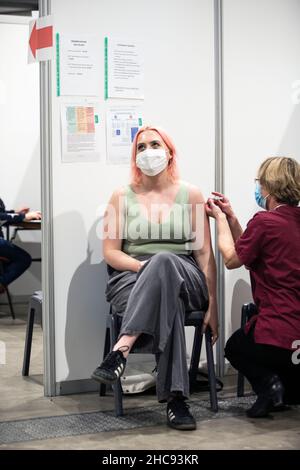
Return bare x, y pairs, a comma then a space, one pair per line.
2, 262
248, 310
34, 316
194, 319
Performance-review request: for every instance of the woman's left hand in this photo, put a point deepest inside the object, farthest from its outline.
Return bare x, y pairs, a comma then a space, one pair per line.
211, 320
212, 210
34, 215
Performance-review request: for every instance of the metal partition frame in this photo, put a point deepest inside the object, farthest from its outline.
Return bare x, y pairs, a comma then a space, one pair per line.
219, 174
47, 224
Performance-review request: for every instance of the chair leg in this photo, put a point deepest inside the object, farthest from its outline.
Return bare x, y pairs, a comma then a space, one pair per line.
194, 365
211, 371
117, 388
102, 392
241, 380
10, 303
28, 342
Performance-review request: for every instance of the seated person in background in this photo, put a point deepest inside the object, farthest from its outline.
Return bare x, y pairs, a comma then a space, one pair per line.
14, 260
270, 248
157, 271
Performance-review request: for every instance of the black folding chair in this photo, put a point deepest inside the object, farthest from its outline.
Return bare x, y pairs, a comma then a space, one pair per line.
34, 315
194, 319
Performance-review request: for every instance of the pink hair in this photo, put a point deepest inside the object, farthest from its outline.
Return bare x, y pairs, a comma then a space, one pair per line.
136, 174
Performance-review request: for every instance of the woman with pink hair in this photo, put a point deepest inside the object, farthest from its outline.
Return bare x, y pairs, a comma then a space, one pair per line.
158, 249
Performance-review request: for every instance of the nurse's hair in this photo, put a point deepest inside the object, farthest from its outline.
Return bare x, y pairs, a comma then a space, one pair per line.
173, 172
280, 176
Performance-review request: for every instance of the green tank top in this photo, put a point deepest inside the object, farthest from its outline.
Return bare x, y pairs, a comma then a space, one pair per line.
174, 234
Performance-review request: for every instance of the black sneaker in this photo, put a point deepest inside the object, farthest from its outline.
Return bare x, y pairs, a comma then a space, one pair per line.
111, 369
178, 415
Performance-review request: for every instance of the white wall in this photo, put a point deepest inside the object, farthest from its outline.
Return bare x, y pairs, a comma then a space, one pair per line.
261, 66
179, 87
19, 137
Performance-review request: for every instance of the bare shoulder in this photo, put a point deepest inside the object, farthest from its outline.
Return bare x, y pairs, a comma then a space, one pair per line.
195, 195
117, 196
120, 191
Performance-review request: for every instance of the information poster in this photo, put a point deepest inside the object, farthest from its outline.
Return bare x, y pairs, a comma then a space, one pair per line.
123, 69
80, 132
77, 62
122, 123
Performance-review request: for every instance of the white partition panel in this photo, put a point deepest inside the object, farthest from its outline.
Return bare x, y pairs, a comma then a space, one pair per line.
20, 179
261, 108
177, 38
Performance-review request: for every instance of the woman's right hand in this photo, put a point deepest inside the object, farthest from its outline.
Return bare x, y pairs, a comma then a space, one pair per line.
141, 263
22, 210
223, 204
33, 215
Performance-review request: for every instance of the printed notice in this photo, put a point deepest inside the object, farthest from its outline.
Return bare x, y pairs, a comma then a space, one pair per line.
77, 62
80, 133
122, 123
123, 69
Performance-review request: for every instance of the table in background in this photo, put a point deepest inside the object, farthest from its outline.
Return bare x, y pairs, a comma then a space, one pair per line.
24, 225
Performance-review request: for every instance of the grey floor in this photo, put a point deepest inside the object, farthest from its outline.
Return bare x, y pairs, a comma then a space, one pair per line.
23, 399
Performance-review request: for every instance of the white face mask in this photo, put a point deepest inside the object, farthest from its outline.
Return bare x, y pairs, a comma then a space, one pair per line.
152, 161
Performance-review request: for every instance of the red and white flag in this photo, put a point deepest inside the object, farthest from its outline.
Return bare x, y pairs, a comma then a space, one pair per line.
40, 39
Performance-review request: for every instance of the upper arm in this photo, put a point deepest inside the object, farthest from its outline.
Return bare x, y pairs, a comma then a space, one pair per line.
113, 222
2, 206
249, 246
200, 223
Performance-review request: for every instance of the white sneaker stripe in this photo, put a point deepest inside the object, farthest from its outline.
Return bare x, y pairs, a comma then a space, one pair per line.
119, 370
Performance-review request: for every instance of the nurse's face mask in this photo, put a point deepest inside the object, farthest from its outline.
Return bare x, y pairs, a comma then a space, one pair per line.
259, 198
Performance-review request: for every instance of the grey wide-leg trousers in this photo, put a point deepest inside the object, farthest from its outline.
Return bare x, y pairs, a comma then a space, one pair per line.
154, 302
